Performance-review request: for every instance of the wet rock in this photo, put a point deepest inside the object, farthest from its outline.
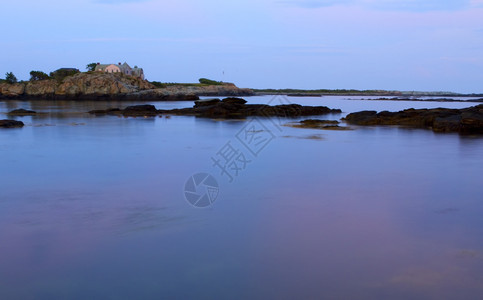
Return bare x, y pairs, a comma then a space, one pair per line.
366, 117
22, 112
140, 110
467, 120
11, 124
233, 100
206, 102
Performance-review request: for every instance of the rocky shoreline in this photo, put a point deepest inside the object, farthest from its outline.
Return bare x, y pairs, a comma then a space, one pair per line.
112, 86
479, 100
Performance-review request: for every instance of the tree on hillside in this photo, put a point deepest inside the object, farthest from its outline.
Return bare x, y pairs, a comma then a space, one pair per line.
38, 75
60, 74
91, 67
10, 78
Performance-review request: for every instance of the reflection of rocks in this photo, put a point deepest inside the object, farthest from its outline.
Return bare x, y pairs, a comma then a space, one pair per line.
22, 112
11, 124
317, 137
226, 108
467, 120
319, 124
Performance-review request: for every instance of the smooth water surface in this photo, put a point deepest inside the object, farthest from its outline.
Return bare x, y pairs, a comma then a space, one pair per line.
94, 208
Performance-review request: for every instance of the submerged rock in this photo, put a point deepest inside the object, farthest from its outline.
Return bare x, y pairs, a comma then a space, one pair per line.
316, 123
11, 124
319, 124
466, 120
22, 112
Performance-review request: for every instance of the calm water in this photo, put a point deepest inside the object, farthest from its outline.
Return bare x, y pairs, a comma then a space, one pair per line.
94, 208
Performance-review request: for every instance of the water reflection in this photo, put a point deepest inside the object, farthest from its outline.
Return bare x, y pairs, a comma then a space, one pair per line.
97, 211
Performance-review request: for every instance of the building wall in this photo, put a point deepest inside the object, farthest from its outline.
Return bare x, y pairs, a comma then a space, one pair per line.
124, 68
112, 69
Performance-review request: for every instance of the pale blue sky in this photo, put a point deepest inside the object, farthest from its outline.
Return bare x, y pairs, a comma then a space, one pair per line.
363, 44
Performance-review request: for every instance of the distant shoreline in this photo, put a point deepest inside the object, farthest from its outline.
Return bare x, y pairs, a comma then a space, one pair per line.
361, 93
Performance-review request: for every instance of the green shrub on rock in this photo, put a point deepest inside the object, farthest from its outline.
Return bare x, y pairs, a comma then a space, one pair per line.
209, 81
38, 75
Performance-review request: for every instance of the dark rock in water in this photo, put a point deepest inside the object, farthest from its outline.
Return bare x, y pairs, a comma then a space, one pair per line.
140, 110
22, 112
466, 120
317, 123
366, 117
234, 100
11, 124
447, 124
335, 127
206, 102
228, 108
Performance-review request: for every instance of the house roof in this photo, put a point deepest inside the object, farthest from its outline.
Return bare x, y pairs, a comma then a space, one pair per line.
102, 66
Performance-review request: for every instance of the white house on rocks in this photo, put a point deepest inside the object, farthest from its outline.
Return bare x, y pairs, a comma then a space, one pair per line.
120, 68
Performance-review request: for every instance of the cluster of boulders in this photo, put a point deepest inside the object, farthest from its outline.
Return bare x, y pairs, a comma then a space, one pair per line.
466, 120
226, 108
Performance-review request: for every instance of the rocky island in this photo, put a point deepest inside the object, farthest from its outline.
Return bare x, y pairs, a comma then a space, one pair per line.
112, 86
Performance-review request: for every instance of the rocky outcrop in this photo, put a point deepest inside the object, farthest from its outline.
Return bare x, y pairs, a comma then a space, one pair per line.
78, 86
115, 86
11, 124
467, 120
15, 90
227, 108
